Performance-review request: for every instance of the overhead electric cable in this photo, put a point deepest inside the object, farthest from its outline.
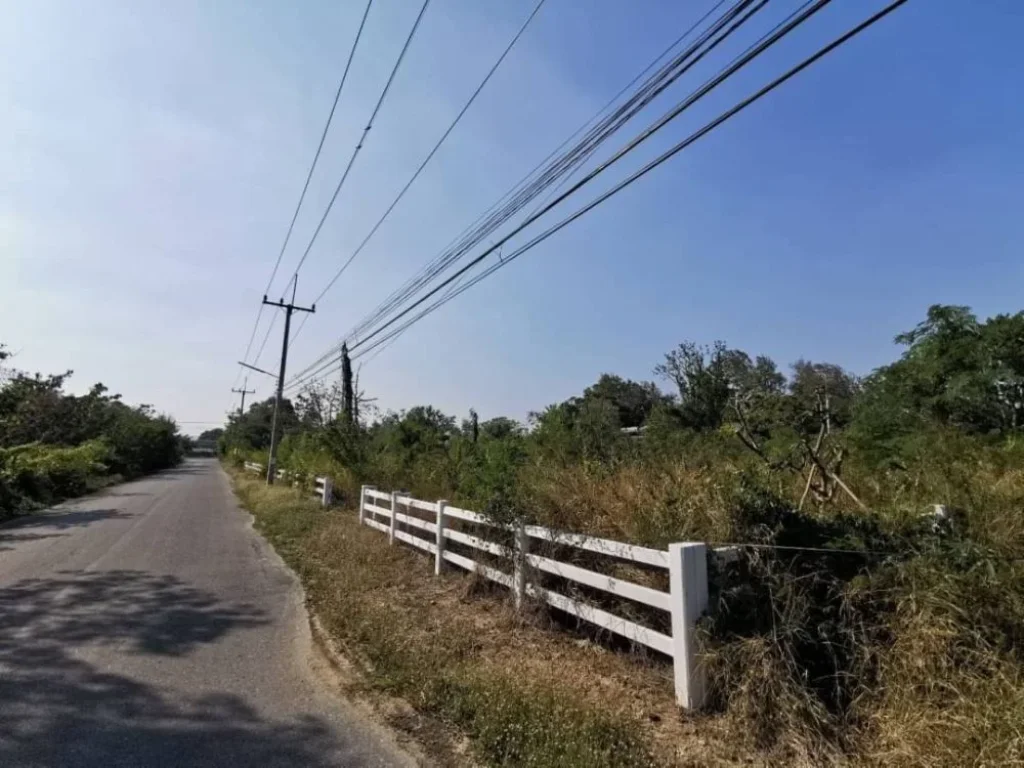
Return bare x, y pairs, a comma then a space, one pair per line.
437, 146
366, 130
309, 175
658, 83
766, 42
598, 134
519, 183
707, 128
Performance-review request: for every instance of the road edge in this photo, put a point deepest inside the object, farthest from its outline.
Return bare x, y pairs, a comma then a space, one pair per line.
393, 719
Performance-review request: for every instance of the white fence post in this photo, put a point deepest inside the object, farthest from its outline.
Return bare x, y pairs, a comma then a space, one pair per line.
519, 564
688, 577
439, 537
328, 496
362, 501
394, 519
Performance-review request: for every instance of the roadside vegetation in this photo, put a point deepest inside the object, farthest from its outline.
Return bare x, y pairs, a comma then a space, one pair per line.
456, 650
858, 626
54, 445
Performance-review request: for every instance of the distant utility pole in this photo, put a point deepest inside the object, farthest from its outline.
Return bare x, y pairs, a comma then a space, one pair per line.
243, 391
288, 309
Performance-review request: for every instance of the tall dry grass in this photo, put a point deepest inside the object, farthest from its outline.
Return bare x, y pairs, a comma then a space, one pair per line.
905, 652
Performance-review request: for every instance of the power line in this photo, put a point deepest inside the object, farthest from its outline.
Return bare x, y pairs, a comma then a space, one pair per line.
437, 146
693, 98
520, 196
392, 338
654, 86
661, 80
323, 137
692, 138
362, 138
427, 159
266, 336
309, 175
772, 38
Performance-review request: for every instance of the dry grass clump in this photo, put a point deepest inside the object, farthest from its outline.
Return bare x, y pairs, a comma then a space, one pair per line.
949, 688
912, 662
652, 504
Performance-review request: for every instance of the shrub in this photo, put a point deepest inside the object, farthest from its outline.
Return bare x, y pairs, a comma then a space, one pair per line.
47, 473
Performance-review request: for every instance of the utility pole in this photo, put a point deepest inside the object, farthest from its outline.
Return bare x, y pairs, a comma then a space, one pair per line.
288, 310
347, 393
243, 392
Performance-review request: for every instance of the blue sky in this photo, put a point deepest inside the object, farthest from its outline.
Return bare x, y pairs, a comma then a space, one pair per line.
151, 155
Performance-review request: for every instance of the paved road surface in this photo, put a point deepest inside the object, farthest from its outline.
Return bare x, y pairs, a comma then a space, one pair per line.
150, 626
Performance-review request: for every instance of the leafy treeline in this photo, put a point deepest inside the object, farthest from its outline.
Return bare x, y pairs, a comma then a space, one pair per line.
958, 379
55, 445
907, 645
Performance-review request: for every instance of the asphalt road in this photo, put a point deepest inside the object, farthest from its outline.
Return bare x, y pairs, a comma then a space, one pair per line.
151, 626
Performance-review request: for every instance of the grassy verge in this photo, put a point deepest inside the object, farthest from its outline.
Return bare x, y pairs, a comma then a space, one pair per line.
523, 693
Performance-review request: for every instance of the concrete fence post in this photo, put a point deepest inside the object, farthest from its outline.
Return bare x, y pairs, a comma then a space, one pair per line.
439, 537
519, 564
328, 495
688, 577
394, 518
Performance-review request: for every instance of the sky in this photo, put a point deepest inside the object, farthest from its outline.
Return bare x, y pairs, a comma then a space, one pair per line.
152, 153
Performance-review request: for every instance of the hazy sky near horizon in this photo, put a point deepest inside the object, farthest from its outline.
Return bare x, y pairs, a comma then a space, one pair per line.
151, 155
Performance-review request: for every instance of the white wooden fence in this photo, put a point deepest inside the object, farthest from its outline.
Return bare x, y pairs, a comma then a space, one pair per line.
323, 486
685, 562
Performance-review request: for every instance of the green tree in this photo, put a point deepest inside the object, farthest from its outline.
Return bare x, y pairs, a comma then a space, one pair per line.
632, 400
500, 428
701, 376
252, 429
578, 429
821, 394
954, 372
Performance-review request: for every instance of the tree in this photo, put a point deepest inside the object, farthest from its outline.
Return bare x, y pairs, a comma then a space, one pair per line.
756, 393
955, 372
422, 428
633, 401
252, 429
319, 405
500, 428
701, 376
578, 429
821, 392
34, 409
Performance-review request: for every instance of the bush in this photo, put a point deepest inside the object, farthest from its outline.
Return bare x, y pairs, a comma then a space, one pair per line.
47, 473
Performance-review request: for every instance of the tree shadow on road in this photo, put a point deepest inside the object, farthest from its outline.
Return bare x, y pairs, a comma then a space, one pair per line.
11, 540
20, 529
62, 519
57, 708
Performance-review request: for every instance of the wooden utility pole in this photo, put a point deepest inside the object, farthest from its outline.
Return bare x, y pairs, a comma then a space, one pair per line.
288, 308
243, 392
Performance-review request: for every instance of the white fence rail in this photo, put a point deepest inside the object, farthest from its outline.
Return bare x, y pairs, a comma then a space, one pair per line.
324, 486
686, 564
